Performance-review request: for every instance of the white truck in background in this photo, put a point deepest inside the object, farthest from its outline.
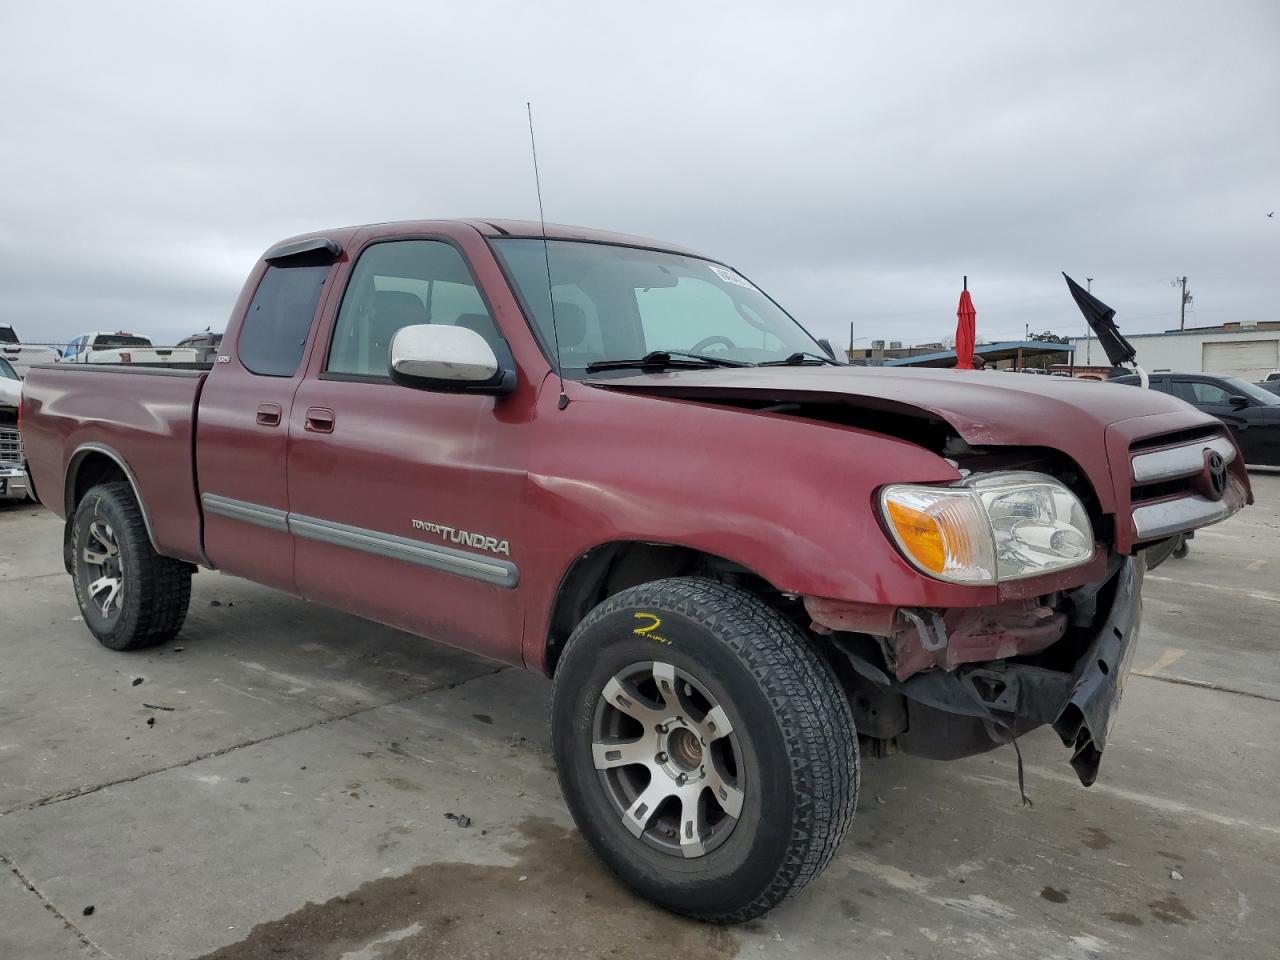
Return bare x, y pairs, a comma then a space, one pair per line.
21, 355
121, 347
13, 475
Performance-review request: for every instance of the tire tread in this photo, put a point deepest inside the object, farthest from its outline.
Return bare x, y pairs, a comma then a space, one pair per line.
163, 584
811, 708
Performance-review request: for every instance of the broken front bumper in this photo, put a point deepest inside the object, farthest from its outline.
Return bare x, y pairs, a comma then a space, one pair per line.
1085, 721
974, 707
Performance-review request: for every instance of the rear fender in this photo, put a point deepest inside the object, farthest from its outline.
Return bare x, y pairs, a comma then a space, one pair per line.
87, 453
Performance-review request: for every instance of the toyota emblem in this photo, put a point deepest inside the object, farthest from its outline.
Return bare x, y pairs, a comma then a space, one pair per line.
1215, 475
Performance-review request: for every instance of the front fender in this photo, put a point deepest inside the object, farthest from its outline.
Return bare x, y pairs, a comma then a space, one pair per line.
792, 500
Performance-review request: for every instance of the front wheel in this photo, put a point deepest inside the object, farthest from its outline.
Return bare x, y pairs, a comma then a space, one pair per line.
704, 748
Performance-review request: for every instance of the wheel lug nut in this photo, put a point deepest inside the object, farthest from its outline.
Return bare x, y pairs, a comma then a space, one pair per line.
681, 779
661, 758
661, 728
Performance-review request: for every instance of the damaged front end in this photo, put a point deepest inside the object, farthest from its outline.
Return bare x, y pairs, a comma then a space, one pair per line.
948, 684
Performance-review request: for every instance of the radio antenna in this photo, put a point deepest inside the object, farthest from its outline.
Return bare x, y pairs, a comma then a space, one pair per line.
546, 256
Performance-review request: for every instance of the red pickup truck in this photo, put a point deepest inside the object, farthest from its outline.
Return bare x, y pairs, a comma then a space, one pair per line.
620, 463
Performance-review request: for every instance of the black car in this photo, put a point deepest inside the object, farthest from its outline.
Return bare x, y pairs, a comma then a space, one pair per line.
1252, 413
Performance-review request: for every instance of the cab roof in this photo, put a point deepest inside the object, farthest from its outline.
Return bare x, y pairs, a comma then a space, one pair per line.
491, 228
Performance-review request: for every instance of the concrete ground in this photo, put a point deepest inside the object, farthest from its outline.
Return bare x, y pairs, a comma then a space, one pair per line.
280, 783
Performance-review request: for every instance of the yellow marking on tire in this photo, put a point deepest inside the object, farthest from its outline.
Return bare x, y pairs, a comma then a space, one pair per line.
647, 631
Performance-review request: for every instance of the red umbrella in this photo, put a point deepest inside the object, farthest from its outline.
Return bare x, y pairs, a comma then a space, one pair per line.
966, 330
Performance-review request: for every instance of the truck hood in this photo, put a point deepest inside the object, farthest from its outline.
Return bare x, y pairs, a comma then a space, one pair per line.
985, 408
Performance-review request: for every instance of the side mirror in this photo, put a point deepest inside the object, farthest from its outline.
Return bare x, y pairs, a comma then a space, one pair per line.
825, 344
1238, 402
432, 356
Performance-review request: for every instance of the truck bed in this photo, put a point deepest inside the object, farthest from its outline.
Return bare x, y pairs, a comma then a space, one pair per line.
86, 417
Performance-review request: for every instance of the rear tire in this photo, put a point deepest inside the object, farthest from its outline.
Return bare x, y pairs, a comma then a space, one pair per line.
129, 595
691, 678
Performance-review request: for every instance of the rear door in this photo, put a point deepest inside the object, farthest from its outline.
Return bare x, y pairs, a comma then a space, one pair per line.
243, 427
405, 504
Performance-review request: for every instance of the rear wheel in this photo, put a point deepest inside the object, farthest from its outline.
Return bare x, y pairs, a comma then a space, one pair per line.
129, 595
704, 748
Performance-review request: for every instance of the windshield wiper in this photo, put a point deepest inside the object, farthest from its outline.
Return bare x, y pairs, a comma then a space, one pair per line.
799, 359
661, 359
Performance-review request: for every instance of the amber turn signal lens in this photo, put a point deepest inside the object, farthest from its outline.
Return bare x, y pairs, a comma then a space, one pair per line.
920, 535
943, 531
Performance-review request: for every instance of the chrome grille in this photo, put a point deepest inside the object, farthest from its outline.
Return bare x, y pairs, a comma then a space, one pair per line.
1168, 484
10, 444
1184, 460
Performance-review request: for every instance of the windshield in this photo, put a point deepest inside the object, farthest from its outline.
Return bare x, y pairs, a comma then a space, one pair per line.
1255, 393
7, 371
622, 303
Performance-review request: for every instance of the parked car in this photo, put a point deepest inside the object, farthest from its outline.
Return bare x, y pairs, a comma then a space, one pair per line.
744, 566
1252, 413
22, 356
13, 477
204, 344
1272, 382
123, 348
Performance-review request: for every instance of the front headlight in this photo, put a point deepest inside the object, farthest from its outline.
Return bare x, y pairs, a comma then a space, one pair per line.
991, 527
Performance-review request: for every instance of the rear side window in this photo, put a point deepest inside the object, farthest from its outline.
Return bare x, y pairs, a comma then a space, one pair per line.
279, 318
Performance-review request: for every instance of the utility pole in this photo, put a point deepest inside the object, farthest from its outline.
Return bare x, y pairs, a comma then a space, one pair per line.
850, 339
1089, 284
1183, 300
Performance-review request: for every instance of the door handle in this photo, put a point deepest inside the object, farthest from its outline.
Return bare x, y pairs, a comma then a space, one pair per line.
269, 414
320, 420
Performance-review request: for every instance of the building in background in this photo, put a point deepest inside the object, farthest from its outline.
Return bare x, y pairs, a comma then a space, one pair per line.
1011, 355
1245, 350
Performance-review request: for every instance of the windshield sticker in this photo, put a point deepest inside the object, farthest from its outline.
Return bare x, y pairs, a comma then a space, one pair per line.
728, 276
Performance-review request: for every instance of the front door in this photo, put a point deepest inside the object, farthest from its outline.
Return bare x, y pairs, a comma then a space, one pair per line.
404, 503
243, 428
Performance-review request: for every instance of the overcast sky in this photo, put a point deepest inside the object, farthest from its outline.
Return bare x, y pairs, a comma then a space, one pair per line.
855, 160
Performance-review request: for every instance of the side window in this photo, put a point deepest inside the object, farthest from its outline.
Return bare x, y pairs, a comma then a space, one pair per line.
1210, 394
279, 318
397, 284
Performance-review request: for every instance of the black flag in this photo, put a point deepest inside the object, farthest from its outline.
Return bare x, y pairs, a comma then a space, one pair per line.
1101, 318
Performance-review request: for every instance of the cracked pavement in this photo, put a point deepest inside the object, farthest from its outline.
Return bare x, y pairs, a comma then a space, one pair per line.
279, 755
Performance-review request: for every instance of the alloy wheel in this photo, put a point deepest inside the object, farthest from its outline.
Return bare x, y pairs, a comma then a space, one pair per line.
105, 582
668, 758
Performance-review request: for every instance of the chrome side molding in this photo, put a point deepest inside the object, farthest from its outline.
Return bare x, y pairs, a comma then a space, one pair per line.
465, 563
268, 517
